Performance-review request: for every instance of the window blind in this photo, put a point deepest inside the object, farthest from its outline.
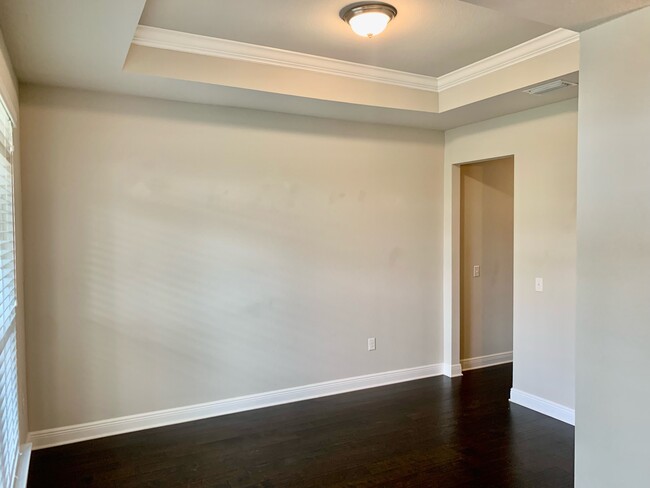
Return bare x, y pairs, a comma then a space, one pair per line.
9, 431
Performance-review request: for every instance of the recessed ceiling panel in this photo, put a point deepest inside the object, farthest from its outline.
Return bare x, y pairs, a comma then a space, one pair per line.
429, 37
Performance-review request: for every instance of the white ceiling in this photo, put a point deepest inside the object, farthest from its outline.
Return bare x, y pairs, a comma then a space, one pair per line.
76, 43
576, 15
429, 37
83, 44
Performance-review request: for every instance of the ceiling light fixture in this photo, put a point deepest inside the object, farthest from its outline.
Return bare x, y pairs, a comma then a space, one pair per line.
368, 19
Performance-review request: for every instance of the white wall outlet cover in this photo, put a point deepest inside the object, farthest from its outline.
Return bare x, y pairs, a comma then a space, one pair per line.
539, 284
476, 272
372, 344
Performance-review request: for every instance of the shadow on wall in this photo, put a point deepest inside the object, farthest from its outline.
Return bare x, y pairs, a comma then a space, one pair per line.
177, 261
249, 119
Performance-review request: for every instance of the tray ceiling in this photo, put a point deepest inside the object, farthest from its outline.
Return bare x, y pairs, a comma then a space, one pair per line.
429, 37
90, 45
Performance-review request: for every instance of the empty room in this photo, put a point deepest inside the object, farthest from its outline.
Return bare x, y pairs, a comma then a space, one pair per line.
283, 243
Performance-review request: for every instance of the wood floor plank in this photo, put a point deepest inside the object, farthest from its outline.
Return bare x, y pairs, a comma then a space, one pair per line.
435, 432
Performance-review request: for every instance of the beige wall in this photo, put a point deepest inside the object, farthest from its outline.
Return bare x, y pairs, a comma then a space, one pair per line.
486, 240
179, 254
544, 144
613, 331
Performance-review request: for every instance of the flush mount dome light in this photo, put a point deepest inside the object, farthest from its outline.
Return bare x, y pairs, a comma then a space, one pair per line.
368, 19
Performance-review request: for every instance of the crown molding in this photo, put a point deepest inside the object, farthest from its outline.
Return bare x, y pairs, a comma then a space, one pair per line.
171, 40
156, 37
526, 50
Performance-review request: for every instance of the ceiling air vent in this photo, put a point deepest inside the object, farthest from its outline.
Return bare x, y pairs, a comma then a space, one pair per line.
550, 86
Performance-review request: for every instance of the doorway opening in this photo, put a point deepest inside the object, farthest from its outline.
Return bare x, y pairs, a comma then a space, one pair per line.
486, 255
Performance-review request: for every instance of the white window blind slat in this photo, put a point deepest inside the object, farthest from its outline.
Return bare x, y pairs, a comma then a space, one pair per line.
9, 430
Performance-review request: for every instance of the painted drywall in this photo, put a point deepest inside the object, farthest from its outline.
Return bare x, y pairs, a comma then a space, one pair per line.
9, 95
179, 254
555, 63
544, 144
562, 60
613, 309
486, 240
263, 77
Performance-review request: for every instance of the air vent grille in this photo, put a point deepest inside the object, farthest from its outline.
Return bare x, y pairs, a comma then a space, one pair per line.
548, 87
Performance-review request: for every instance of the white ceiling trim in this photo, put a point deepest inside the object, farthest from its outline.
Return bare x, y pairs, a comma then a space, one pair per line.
224, 48
527, 50
156, 37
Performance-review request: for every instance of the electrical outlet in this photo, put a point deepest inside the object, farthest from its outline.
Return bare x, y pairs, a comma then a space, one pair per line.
539, 284
477, 271
372, 344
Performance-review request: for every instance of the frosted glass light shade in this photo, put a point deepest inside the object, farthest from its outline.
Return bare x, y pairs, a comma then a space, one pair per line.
369, 24
368, 19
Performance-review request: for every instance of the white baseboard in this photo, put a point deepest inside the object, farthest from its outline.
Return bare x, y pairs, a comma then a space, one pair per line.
22, 470
486, 361
131, 423
452, 370
541, 405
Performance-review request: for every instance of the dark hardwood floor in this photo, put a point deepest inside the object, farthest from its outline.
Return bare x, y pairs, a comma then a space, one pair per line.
435, 432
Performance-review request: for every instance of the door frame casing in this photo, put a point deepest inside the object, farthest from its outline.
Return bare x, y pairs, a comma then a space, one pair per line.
451, 265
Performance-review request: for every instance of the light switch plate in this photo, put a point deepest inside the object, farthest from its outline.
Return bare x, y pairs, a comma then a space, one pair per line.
372, 344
